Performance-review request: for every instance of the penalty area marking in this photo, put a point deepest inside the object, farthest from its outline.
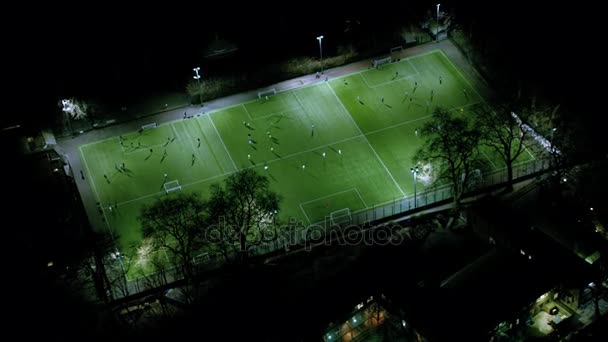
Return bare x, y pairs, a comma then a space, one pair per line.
358, 196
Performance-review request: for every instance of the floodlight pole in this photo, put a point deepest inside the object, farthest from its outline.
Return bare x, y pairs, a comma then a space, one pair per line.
415, 173
320, 38
437, 30
65, 102
198, 78
552, 143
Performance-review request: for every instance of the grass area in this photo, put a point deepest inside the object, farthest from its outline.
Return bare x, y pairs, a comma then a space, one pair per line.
346, 143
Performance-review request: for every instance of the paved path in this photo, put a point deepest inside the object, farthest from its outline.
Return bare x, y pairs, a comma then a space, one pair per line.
69, 146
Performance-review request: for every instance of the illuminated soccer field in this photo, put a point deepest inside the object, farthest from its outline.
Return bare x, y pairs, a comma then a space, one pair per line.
346, 143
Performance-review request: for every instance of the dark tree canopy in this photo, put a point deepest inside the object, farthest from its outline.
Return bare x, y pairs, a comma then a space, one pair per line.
451, 148
503, 132
176, 224
243, 211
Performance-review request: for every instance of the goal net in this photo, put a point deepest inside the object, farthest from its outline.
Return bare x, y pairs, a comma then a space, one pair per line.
201, 258
148, 126
397, 49
379, 62
263, 94
172, 186
341, 217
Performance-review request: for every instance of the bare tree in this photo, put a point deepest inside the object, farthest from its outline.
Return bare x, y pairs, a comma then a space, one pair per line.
504, 132
242, 212
175, 223
451, 148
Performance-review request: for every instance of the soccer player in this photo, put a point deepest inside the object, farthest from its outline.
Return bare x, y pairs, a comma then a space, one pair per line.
324, 155
340, 152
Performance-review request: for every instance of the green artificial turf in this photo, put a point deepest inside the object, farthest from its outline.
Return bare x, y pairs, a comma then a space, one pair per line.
357, 155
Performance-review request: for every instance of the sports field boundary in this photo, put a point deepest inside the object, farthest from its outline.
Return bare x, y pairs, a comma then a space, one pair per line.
354, 190
222, 140
370, 145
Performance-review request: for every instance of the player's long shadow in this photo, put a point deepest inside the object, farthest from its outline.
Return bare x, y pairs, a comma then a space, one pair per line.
413, 104
361, 102
311, 175
276, 154
275, 141
128, 172
162, 159
253, 146
252, 162
271, 176
389, 106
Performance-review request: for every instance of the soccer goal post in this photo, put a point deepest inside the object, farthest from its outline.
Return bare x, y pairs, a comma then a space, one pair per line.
172, 186
148, 126
397, 49
341, 217
382, 61
264, 93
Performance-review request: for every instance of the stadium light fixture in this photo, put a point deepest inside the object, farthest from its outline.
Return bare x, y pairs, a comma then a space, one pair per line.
415, 171
437, 30
197, 77
320, 38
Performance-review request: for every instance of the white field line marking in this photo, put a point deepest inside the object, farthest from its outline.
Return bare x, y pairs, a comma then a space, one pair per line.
370, 145
225, 148
330, 195
490, 160
361, 197
304, 211
413, 67
247, 111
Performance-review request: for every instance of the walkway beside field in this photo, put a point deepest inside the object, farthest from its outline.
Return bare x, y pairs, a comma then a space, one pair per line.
69, 146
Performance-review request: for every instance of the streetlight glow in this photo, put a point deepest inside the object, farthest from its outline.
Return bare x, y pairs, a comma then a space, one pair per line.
320, 38
197, 77
415, 171
437, 30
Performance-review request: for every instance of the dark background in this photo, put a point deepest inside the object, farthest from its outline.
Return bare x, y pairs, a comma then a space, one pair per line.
107, 51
